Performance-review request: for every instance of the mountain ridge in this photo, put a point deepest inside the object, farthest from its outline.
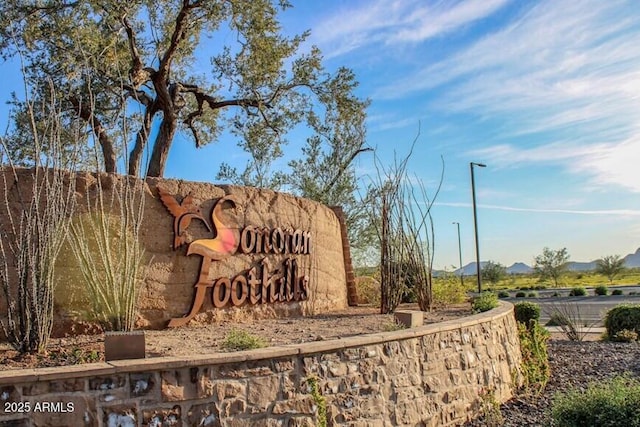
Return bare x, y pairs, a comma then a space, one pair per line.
630, 261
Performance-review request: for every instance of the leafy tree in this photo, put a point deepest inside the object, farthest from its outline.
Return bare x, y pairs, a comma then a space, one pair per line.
493, 272
610, 266
135, 62
551, 264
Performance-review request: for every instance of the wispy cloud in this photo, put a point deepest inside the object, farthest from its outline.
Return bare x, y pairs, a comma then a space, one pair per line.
605, 212
568, 72
604, 163
395, 22
561, 64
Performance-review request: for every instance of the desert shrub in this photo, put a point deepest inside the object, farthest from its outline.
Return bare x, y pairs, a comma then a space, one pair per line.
448, 290
557, 319
555, 294
601, 290
521, 294
617, 292
535, 358
237, 340
623, 317
105, 241
526, 311
448, 293
633, 293
615, 402
578, 291
625, 335
490, 409
532, 295
569, 318
368, 289
485, 302
503, 294
393, 325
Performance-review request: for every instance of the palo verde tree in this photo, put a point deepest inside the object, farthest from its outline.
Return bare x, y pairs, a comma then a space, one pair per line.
493, 272
551, 264
610, 266
108, 58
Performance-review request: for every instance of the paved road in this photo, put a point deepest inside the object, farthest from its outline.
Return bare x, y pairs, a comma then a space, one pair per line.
590, 309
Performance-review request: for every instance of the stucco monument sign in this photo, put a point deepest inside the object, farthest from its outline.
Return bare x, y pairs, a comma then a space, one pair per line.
273, 276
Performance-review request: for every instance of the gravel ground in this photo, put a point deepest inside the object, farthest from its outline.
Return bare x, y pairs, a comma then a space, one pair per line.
573, 364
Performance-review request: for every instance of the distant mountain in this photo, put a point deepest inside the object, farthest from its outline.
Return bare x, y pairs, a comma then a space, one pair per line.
470, 269
516, 268
632, 260
581, 266
519, 268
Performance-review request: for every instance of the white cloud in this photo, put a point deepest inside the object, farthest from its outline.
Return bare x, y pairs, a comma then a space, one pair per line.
604, 212
604, 163
395, 22
562, 77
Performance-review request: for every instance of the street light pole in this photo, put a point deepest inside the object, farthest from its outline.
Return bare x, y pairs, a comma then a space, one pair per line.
475, 222
460, 254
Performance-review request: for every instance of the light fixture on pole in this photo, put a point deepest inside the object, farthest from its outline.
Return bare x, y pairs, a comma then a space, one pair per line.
475, 222
460, 254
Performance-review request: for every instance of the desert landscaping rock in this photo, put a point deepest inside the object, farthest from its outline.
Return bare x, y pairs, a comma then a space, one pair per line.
573, 364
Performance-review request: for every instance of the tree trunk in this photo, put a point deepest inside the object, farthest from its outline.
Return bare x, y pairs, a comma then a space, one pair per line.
141, 141
108, 153
161, 146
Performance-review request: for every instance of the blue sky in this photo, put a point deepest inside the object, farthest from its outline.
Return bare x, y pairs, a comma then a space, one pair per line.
546, 93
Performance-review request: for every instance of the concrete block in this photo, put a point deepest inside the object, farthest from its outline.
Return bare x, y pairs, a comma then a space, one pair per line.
409, 318
124, 345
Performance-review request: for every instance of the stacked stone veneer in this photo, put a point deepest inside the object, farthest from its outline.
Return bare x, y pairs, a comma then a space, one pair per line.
431, 376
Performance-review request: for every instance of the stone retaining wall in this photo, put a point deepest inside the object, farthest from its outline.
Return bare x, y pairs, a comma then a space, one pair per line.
431, 375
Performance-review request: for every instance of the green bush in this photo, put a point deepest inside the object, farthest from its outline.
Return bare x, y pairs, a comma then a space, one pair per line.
555, 294
503, 294
601, 290
368, 290
535, 358
448, 291
485, 302
521, 294
578, 291
238, 340
615, 402
625, 335
623, 317
532, 295
526, 311
617, 292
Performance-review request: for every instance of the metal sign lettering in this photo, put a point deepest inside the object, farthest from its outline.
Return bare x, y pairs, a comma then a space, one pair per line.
266, 284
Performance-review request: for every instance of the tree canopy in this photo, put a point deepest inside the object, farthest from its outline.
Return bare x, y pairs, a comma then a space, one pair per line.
610, 266
551, 264
493, 272
137, 63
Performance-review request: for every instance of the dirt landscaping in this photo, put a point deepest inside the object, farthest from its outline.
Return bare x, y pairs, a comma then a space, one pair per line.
203, 339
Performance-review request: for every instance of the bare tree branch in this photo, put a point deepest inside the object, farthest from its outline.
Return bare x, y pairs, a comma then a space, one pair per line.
137, 73
179, 34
